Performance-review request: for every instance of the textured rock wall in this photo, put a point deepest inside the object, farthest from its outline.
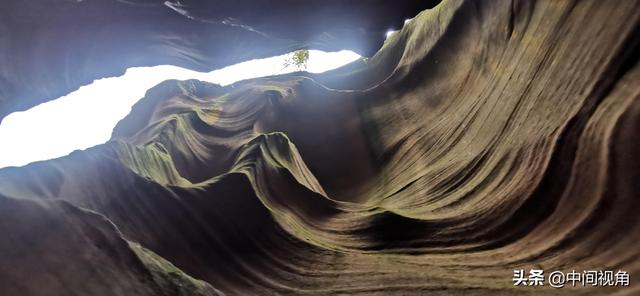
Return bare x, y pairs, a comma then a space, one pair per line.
484, 137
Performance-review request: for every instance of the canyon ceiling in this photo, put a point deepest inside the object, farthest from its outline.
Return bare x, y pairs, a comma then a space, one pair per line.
49, 48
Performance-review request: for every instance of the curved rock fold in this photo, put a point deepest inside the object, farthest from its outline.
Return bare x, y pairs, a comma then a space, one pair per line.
483, 137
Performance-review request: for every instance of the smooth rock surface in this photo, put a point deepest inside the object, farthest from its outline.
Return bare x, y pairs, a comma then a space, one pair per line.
486, 136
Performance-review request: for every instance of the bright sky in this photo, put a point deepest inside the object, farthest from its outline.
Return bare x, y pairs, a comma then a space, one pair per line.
85, 118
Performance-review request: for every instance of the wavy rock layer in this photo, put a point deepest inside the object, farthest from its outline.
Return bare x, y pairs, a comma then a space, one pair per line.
486, 136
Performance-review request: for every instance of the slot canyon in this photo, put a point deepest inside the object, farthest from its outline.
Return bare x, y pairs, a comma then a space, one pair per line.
481, 138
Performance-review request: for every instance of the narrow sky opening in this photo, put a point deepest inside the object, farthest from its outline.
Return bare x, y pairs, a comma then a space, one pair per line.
86, 117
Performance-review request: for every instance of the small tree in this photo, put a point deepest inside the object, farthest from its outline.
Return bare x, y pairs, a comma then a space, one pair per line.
297, 59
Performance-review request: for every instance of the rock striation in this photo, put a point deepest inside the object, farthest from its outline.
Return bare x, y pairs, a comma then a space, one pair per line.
485, 136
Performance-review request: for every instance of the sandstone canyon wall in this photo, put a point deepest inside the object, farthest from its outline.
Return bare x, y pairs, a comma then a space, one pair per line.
484, 137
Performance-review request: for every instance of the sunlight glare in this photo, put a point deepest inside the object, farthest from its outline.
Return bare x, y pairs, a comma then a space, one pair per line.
86, 117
